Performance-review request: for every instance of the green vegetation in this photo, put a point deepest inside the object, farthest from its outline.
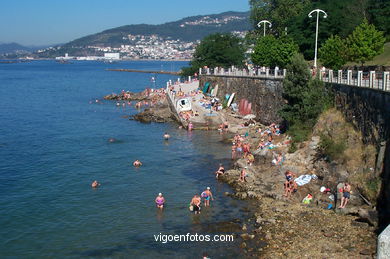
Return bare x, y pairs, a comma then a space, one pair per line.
306, 99
380, 60
333, 53
217, 50
333, 149
365, 43
343, 17
271, 51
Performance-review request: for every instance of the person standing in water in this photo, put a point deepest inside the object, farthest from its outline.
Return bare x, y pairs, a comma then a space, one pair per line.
160, 200
221, 171
190, 126
166, 136
195, 203
207, 195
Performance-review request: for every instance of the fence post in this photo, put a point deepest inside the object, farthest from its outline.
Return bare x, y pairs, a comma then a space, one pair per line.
276, 71
339, 76
349, 77
208, 71
266, 72
385, 85
284, 72
359, 78
330, 75
372, 79
200, 71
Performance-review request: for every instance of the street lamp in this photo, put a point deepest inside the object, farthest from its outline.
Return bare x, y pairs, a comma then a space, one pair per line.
315, 49
265, 24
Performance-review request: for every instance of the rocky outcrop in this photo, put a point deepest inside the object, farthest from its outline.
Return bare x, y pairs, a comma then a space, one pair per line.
159, 114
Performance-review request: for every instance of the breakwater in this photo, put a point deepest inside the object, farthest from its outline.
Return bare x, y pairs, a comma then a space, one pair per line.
144, 71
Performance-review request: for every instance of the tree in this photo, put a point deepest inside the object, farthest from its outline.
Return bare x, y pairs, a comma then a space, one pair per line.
270, 51
365, 43
279, 12
306, 99
379, 11
217, 50
333, 53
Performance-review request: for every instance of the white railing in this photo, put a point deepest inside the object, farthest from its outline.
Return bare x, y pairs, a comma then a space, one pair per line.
371, 79
250, 72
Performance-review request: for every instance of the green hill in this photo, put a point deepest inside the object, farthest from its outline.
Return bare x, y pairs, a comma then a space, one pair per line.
187, 29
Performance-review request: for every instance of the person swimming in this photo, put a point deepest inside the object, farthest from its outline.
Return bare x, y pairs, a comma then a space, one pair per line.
166, 136
137, 163
95, 184
160, 201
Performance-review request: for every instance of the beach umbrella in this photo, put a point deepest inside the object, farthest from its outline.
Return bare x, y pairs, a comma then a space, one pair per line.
249, 116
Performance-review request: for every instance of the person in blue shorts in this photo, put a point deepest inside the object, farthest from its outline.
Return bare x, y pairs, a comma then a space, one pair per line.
207, 195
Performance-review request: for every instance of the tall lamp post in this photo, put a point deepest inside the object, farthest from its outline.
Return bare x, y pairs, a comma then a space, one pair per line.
265, 25
318, 11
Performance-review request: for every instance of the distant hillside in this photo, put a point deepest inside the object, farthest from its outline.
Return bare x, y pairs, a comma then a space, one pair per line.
12, 48
187, 29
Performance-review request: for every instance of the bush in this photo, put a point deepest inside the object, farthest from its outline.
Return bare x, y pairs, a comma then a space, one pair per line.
332, 149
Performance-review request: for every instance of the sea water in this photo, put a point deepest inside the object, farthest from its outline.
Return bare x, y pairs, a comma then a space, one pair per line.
54, 141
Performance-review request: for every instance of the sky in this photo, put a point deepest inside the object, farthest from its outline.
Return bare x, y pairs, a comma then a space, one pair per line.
45, 22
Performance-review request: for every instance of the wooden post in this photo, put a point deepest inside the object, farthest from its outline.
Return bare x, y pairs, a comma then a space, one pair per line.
330, 76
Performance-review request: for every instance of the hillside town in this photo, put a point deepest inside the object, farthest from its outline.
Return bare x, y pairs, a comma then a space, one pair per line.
144, 47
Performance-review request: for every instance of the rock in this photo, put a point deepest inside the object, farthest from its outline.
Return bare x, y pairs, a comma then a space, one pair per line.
243, 245
370, 216
268, 236
365, 252
244, 227
241, 195
271, 221
259, 220
245, 236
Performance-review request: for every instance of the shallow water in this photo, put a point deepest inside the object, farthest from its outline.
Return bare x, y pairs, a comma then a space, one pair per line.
54, 143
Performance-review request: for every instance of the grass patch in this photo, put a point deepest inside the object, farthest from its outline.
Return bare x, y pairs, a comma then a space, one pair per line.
333, 149
381, 60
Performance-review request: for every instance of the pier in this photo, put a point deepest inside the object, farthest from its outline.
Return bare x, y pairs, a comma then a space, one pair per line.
144, 71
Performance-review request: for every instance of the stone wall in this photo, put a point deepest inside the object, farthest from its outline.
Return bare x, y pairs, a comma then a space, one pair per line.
264, 94
369, 111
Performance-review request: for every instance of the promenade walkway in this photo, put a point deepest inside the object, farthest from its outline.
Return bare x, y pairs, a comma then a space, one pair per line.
370, 79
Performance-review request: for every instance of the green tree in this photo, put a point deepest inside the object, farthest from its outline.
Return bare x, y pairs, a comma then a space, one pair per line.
217, 50
365, 43
270, 51
333, 53
279, 12
306, 99
379, 11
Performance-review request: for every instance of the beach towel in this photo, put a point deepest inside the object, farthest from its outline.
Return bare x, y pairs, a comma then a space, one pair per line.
303, 179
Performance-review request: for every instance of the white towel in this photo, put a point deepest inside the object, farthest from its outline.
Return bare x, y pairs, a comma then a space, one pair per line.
303, 179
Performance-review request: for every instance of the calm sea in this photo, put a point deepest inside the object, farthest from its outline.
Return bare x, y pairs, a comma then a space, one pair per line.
54, 143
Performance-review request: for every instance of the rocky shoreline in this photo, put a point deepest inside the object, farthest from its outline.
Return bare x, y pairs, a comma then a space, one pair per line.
281, 227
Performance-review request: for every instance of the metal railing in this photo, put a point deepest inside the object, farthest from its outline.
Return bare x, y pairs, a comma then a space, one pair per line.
372, 79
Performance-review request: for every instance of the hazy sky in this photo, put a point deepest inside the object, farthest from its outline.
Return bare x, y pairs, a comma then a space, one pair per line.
41, 22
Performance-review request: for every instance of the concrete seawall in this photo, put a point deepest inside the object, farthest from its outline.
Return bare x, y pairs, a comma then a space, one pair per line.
264, 94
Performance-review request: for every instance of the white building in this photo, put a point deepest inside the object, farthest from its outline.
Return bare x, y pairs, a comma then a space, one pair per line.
112, 55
